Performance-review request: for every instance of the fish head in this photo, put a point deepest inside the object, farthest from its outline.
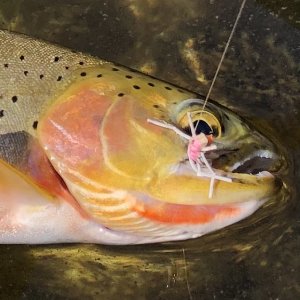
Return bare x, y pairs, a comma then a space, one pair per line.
134, 176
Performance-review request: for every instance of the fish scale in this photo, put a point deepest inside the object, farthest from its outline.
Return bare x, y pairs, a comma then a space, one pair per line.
49, 70
45, 63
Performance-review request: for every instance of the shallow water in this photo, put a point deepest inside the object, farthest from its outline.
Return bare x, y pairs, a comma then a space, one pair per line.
181, 42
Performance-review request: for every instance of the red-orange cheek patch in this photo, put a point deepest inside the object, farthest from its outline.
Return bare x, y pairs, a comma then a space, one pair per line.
39, 169
70, 129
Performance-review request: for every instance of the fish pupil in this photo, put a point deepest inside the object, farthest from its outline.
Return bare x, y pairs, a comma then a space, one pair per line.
202, 127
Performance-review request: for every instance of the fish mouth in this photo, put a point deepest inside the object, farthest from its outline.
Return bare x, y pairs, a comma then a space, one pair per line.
239, 175
251, 163
239, 164
256, 163
239, 152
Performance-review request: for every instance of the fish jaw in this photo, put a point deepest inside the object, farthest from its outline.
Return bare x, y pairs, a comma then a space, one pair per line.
120, 168
30, 215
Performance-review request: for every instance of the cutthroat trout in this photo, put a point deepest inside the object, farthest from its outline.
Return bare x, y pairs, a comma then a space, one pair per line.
80, 162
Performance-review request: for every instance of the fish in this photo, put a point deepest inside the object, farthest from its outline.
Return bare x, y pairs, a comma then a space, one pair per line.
80, 163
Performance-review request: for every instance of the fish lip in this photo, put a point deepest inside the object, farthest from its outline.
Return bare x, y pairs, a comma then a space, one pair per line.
233, 169
259, 154
183, 168
246, 159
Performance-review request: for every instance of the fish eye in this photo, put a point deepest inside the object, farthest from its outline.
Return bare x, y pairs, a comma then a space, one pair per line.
203, 121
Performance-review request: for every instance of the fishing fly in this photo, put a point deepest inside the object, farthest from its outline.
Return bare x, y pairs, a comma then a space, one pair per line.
198, 144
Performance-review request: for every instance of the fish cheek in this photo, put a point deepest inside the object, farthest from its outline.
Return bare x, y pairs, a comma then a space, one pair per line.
69, 131
133, 147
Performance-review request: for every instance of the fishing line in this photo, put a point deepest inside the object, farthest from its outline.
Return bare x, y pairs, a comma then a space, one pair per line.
222, 58
195, 145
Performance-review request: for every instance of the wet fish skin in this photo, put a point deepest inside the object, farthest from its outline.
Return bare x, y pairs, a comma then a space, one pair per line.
90, 168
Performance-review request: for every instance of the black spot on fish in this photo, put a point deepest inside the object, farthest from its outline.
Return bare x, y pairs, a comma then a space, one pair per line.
35, 124
81, 63
136, 87
99, 75
151, 84
22, 57
120, 94
128, 76
174, 102
14, 99
156, 106
1, 113
5, 65
168, 88
25, 73
56, 59
41, 76
66, 67
115, 69
59, 78
83, 74
180, 91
